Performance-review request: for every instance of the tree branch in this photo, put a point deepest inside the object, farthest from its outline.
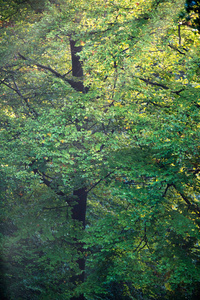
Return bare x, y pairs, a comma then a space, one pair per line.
165, 192
156, 104
160, 85
76, 85
56, 207
174, 48
94, 185
154, 83
190, 205
17, 91
47, 182
25, 99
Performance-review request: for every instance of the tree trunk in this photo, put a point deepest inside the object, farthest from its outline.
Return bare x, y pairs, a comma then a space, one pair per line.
77, 69
79, 209
78, 214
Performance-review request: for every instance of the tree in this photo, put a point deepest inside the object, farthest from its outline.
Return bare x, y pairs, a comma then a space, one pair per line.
127, 131
193, 11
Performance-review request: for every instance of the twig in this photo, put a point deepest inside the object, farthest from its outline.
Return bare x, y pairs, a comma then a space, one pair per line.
165, 192
95, 184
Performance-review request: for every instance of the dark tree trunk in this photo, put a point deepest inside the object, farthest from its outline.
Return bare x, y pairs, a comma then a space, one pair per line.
77, 69
79, 209
78, 214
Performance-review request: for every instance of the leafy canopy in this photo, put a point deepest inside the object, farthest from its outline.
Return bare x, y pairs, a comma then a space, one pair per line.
130, 138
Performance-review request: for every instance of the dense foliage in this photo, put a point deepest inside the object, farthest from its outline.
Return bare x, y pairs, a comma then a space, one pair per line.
100, 102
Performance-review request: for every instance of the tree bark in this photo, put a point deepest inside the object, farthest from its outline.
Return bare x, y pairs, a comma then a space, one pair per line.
77, 69
79, 209
78, 214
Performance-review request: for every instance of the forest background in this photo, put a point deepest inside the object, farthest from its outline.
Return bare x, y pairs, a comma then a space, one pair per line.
100, 149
